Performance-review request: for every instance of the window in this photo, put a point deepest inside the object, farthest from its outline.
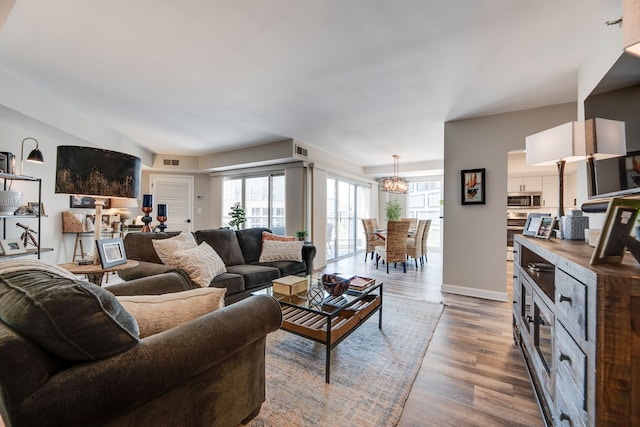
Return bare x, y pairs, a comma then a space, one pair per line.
262, 197
425, 203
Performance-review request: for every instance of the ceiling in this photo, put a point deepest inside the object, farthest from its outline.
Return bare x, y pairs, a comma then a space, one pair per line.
362, 79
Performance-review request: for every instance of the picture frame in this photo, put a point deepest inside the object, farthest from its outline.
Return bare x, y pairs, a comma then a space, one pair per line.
37, 208
111, 252
545, 227
472, 189
12, 246
533, 223
615, 237
86, 202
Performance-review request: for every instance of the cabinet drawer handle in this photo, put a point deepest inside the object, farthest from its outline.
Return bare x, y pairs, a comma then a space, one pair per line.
529, 319
565, 358
515, 277
565, 299
565, 417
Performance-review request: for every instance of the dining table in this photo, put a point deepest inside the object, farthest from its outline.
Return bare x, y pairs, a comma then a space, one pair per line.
382, 233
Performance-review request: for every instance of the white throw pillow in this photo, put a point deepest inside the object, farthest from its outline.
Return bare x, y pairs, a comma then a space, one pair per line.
157, 313
201, 263
166, 248
273, 250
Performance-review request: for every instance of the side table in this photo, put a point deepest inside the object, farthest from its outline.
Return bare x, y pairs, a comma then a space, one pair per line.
95, 272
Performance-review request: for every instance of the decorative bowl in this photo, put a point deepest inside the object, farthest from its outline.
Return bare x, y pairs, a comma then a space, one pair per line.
9, 202
334, 284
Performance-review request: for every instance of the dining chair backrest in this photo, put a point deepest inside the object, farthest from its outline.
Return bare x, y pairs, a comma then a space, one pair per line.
425, 235
396, 241
370, 225
413, 222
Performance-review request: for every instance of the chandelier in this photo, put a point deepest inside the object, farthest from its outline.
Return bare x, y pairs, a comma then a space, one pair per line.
395, 184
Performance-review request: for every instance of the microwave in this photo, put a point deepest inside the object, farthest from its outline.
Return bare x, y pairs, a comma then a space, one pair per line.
528, 200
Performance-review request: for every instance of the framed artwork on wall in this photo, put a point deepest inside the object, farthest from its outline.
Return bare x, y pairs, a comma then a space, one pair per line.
473, 187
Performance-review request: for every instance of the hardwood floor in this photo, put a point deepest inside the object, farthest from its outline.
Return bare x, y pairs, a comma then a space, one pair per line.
472, 373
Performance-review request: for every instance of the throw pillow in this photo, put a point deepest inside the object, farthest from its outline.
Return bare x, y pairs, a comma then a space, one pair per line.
157, 313
201, 263
281, 251
71, 319
270, 236
167, 248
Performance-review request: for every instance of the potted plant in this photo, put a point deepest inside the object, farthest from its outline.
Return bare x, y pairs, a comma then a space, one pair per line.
394, 211
237, 216
302, 234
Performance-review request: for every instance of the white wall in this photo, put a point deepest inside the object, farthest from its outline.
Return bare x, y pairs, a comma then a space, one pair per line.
475, 235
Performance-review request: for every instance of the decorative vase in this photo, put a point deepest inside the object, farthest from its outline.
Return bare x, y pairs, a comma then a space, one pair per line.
9, 202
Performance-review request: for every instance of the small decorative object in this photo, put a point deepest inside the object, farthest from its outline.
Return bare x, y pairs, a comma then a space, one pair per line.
147, 208
335, 284
9, 202
315, 295
546, 225
473, 188
533, 223
111, 252
162, 216
12, 246
37, 208
301, 235
7, 162
27, 236
82, 202
573, 225
394, 211
237, 216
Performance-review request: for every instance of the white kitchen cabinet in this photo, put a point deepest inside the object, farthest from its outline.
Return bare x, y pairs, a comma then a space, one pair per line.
550, 191
524, 183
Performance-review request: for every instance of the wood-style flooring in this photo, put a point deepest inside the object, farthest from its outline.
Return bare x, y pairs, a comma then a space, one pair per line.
472, 373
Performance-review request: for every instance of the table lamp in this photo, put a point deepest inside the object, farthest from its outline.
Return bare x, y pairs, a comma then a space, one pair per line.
97, 173
122, 208
574, 141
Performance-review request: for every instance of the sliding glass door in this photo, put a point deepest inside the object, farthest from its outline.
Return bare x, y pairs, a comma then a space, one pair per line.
346, 205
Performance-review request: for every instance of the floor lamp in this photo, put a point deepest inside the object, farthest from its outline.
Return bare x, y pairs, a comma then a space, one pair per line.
97, 173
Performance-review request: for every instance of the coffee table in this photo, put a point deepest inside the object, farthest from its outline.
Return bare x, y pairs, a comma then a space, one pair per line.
332, 321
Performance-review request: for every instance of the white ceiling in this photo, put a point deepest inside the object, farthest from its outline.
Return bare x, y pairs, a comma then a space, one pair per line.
363, 79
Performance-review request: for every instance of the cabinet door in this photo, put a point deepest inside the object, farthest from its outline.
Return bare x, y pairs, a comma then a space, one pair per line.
514, 185
532, 183
550, 192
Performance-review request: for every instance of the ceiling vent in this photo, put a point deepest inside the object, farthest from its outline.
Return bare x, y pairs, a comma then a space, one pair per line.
301, 151
171, 162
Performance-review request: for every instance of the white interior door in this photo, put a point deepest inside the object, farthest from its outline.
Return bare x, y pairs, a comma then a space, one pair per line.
177, 193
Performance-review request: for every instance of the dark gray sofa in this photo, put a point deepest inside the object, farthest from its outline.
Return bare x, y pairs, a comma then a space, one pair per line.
206, 372
239, 249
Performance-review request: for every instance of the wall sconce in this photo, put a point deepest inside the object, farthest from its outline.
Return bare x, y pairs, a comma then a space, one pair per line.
35, 156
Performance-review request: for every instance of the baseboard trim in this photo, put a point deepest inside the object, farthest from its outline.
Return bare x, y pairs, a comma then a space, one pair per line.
474, 292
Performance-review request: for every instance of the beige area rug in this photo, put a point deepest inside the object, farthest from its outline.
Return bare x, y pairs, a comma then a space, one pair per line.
372, 371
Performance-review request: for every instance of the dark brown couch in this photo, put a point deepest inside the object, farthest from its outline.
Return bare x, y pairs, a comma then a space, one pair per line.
239, 249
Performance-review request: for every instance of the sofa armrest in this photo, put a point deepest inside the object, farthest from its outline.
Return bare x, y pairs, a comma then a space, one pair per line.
145, 269
90, 393
163, 283
308, 253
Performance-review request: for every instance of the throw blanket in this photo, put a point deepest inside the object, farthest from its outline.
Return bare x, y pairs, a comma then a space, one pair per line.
24, 264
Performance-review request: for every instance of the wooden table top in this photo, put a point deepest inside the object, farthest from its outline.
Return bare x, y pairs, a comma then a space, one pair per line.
97, 268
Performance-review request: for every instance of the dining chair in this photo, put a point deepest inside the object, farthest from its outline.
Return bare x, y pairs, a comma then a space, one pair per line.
414, 244
425, 235
413, 222
370, 225
395, 245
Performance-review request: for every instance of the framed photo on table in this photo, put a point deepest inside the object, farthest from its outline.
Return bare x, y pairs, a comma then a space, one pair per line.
615, 237
533, 223
111, 252
473, 188
546, 225
12, 246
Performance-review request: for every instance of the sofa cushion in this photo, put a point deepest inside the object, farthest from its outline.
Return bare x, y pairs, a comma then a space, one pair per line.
234, 283
157, 313
139, 246
224, 242
71, 319
201, 263
270, 236
250, 240
281, 251
255, 276
167, 248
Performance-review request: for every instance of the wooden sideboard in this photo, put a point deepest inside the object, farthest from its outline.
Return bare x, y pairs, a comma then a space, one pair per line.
578, 326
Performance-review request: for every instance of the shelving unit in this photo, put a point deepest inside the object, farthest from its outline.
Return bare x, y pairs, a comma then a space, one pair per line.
7, 178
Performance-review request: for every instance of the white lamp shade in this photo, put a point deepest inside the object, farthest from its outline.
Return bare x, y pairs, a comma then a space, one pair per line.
120, 203
564, 142
605, 138
631, 26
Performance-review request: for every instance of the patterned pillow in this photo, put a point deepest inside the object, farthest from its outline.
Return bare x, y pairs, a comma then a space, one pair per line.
157, 313
270, 236
167, 248
281, 251
201, 263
